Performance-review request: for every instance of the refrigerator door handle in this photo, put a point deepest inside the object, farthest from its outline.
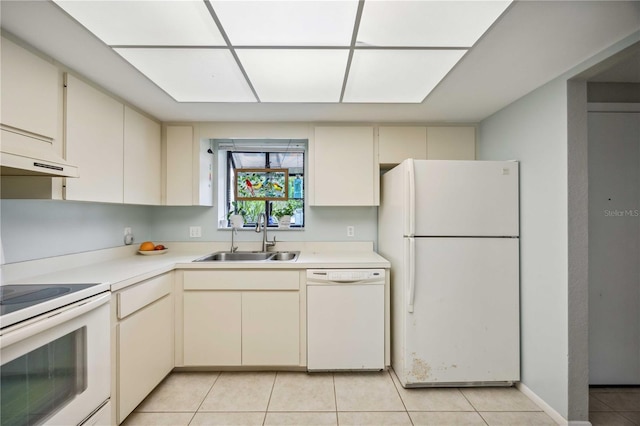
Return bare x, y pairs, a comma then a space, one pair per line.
411, 187
412, 272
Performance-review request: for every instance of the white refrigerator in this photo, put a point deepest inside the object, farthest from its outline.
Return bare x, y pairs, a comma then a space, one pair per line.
450, 230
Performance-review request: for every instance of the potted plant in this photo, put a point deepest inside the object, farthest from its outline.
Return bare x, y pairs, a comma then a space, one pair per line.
283, 213
236, 214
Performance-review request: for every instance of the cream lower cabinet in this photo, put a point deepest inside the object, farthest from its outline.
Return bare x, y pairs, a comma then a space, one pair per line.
242, 318
144, 341
270, 328
212, 328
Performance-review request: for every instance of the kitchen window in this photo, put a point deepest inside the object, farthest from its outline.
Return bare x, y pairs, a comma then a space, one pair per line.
265, 154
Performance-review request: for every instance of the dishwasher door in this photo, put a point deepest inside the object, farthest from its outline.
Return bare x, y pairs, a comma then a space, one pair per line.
345, 319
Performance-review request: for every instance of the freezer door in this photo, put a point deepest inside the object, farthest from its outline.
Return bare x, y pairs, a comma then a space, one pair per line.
465, 198
465, 321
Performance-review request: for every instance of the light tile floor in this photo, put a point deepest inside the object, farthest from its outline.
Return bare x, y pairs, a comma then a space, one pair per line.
614, 406
298, 398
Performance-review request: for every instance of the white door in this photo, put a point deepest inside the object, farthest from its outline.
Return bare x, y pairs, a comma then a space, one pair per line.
614, 248
466, 198
465, 321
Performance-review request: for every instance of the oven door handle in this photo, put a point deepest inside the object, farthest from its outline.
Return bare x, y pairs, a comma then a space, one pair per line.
56, 318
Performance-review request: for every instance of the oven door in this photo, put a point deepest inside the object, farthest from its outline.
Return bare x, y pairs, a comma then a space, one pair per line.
56, 367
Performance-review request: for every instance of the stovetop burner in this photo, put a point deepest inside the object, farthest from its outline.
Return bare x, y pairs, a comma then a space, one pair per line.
22, 301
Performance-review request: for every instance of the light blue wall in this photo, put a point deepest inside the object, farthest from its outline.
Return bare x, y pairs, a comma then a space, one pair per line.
34, 229
322, 224
533, 130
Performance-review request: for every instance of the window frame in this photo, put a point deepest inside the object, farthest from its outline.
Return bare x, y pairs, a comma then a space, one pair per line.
268, 204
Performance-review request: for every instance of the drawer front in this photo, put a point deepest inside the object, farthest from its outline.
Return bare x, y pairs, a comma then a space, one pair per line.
242, 280
143, 294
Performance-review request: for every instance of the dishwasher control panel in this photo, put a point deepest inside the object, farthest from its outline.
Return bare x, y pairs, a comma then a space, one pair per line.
346, 275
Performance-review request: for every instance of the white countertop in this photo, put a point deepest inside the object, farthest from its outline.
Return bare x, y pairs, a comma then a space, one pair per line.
130, 267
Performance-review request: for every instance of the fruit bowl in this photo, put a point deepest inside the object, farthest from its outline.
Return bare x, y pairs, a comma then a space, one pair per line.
152, 252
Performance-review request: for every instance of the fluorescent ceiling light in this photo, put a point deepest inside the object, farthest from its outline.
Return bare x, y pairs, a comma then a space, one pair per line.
146, 22
427, 23
287, 23
295, 75
192, 75
397, 76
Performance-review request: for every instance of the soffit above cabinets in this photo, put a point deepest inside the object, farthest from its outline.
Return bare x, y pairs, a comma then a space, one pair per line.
302, 51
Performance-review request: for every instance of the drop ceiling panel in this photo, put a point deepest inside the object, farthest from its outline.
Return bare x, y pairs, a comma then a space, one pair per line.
147, 23
287, 23
192, 75
295, 75
427, 23
397, 76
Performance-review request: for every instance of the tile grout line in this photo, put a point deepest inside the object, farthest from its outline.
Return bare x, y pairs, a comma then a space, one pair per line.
399, 395
273, 385
473, 406
335, 397
205, 397
209, 391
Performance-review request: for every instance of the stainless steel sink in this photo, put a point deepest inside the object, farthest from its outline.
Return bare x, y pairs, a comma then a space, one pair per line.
284, 255
249, 256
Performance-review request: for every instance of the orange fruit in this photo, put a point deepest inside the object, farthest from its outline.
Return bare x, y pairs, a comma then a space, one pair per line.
147, 245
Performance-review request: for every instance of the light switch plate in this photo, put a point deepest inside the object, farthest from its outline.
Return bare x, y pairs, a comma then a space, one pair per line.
195, 231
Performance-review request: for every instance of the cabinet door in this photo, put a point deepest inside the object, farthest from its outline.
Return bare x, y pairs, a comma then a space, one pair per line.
94, 139
145, 353
142, 180
212, 328
29, 91
399, 143
270, 328
451, 143
179, 166
345, 167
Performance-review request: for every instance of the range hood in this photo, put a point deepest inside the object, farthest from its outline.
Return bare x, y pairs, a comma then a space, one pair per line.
23, 154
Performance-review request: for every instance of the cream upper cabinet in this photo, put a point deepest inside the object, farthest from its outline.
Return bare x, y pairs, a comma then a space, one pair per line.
399, 143
188, 168
179, 166
451, 143
142, 149
94, 126
345, 170
29, 92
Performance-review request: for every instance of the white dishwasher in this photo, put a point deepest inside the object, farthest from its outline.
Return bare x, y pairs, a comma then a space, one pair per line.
345, 319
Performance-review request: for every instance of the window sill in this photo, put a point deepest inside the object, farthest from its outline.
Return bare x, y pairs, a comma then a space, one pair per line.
269, 229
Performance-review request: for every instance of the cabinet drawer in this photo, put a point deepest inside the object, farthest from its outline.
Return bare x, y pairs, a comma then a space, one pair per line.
242, 280
141, 295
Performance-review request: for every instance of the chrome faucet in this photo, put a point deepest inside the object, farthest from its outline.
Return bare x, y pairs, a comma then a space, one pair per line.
265, 243
234, 231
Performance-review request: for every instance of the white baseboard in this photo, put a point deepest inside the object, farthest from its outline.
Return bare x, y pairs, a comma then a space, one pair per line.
579, 423
551, 412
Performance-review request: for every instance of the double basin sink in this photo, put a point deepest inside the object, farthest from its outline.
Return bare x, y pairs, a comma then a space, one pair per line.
249, 256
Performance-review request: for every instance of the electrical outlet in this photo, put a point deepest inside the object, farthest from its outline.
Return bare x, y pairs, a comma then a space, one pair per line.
351, 231
128, 236
195, 231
